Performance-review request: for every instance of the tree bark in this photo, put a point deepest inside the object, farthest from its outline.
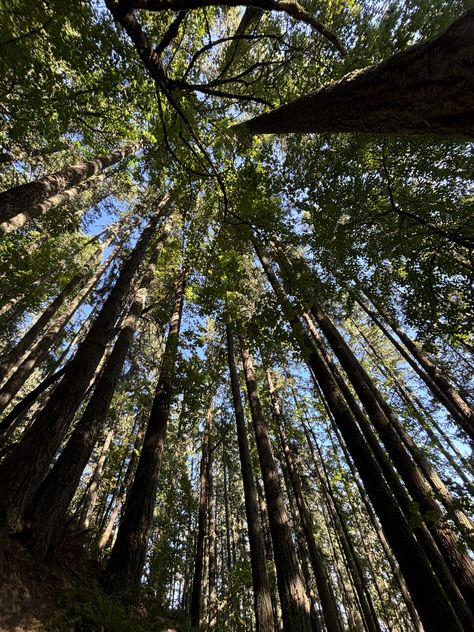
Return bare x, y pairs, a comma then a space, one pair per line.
50, 503
28, 198
212, 553
54, 201
427, 89
437, 612
23, 470
294, 601
125, 565
264, 615
318, 564
196, 591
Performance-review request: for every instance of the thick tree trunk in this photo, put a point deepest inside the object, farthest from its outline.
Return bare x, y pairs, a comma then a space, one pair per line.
28, 198
294, 602
50, 503
22, 471
316, 557
125, 565
436, 612
196, 591
427, 89
264, 615
46, 205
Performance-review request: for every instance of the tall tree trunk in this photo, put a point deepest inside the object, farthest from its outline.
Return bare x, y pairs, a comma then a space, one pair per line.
318, 563
438, 392
294, 602
11, 360
264, 615
90, 496
122, 487
125, 565
419, 477
32, 198
23, 470
437, 612
196, 591
51, 202
50, 503
446, 387
212, 555
39, 350
427, 89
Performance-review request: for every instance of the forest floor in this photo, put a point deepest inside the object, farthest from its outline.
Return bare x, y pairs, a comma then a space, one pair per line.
64, 596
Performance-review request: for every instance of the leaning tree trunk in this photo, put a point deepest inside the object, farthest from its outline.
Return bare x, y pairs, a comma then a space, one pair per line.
264, 615
442, 382
52, 202
50, 503
427, 89
127, 559
29, 198
11, 360
196, 591
437, 612
294, 601
23, 470
50, 338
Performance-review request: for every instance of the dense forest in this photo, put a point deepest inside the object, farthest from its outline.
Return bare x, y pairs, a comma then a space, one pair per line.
236, 315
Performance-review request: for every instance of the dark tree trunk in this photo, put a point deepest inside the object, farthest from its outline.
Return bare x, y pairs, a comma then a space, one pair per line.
427, 89
318, 564
28, 198
125, 565
212, 553
50, 503
196, 591
23, 470
261, 587
294, 602
436, 612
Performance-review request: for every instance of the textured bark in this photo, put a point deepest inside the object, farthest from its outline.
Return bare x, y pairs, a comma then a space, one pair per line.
28, 198
122, 488
52, 202
264, 615
420, 478
196, 591
427, 89
50, 503
125, 565
294, 602
316, 557
22, 471
432, 604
